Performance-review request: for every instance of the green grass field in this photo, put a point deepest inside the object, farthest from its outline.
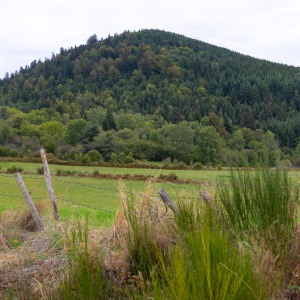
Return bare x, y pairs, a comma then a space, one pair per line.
99, 198
77, 196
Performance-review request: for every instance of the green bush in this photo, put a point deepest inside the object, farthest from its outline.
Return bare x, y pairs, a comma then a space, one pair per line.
60, 172
40, 170
113, 158
85, 159
96, 173
7, 152
94, 156
14, 169
198, 166
173, 176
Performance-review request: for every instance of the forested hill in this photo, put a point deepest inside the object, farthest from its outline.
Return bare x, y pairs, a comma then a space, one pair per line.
153, 72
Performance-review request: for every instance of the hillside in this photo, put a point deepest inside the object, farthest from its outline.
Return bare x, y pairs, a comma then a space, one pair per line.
165, 75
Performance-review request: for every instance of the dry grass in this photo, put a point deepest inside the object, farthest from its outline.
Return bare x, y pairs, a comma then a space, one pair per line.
33, 263
150, 212
36, 261
27, 258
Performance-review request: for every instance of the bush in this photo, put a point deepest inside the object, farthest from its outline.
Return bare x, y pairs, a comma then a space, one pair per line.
173, 176
296, 162
85, 159
94, 156
60, 172
96, 173
14, 169
7, 152
40, 170
198, 166
113, 158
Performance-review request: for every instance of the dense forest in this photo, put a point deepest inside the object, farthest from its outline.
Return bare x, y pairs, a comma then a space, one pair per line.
152, 95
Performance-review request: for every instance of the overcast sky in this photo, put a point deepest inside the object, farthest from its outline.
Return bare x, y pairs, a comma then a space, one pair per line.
34, 29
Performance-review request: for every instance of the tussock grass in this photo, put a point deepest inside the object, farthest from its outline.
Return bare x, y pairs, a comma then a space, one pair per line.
205, 263
261, 203
261, 209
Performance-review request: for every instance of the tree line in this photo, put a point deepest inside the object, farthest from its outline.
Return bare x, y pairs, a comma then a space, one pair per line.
125, 137
160, 81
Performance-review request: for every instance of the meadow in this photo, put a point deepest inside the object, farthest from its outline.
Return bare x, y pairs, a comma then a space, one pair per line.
99, 198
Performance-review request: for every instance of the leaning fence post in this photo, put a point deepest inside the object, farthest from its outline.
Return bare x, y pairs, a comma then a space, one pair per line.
205, 196
167, 201
49, 185
38, 221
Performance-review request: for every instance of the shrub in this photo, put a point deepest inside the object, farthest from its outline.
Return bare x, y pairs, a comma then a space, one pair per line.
172, 176
96, 173
14, 169
129, 159
122, 157
198, 166
40, 170
113, 158
7, 152
85, 159
94, 156
60, 172
296, 162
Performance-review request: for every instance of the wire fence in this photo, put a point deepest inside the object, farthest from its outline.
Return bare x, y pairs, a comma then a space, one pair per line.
89, 193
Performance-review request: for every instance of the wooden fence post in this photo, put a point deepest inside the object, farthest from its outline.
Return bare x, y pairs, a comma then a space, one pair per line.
205, 196
49, 185
38, 221
167, 201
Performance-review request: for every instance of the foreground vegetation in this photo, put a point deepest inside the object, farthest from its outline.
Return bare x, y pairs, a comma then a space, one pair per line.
240, 244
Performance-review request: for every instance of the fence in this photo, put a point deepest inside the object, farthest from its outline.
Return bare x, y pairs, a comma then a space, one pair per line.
82, 194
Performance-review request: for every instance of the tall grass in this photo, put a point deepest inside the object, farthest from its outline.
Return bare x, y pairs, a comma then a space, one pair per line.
198, 253
201, 262
206, 263
83, 279
263, 203
149, 234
